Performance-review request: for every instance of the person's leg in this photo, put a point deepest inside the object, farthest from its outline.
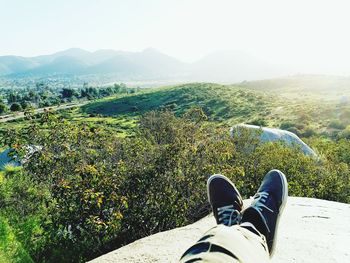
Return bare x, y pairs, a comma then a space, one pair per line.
229, 242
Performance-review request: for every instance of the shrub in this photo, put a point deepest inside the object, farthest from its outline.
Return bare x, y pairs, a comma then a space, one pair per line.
295, 131
286, 125
258, 122
345, 133
15, 107
336, 124
308, 132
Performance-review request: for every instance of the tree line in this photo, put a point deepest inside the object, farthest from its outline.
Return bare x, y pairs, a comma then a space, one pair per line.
42, 95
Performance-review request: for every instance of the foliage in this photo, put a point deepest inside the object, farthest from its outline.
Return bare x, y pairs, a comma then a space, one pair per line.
94, 191
11, 251
2, 107
345, 133
19, 215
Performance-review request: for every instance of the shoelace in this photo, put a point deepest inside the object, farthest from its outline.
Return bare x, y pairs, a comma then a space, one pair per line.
259, 204
228, 215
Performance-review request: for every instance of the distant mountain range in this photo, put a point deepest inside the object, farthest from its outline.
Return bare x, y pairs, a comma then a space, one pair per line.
226, 66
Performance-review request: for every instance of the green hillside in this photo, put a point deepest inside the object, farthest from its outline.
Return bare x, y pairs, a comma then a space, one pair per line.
298, 104
219, 102
309, 104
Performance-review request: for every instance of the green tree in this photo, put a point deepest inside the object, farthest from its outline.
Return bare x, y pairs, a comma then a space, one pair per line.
15, 107
68, 93
13, 97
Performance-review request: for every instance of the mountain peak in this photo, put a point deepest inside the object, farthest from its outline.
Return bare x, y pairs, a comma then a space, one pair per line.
74, 52
76, 61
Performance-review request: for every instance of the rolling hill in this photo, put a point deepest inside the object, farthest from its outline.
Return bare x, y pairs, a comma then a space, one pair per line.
219, 102
287, 103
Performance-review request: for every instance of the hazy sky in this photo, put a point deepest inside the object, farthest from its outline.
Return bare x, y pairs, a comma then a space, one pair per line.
309, 33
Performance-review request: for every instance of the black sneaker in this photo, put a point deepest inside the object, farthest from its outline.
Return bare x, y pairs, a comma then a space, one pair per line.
224, 199
269, 202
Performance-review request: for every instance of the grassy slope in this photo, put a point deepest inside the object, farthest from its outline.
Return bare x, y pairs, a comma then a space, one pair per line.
301, 102
317, 101
220, 103
304, 103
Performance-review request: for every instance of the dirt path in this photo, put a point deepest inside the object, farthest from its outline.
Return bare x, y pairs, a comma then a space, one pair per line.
20, 115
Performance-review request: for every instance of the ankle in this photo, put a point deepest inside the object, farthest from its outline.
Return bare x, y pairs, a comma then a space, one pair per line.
252, 217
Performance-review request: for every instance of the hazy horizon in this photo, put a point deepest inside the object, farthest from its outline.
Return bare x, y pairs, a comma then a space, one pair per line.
309, 36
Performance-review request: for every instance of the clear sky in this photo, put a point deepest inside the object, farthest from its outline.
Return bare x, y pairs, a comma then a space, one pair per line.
300, 32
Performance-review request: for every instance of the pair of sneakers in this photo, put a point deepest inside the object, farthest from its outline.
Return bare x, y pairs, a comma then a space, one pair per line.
263, 213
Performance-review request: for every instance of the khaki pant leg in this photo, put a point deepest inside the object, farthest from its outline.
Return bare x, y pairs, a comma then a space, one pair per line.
244, 244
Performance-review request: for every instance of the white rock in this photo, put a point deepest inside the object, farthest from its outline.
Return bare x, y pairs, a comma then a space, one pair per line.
272, 134
311, 230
